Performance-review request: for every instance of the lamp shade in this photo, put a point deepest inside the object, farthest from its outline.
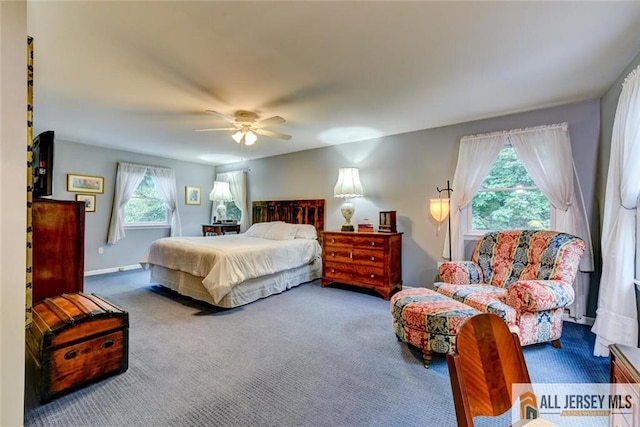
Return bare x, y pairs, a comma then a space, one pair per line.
348, 184
221, 192
439, 208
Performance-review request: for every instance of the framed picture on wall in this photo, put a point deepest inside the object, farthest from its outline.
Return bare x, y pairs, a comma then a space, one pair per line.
89, 201
85, 183
192, 195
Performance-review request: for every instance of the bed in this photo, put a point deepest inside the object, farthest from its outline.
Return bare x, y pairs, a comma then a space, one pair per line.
278, 252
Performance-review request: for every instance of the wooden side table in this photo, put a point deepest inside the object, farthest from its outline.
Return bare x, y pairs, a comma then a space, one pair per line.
219, 228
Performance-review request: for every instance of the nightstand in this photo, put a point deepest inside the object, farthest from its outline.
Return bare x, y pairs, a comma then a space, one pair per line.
219, 228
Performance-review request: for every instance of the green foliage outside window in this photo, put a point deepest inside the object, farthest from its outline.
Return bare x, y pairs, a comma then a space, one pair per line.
508, 198
233, 212
145, 206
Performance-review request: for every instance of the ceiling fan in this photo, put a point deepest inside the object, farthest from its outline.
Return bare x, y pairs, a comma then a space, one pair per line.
247, 126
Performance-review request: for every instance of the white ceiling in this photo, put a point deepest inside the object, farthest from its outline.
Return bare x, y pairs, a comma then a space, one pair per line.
138, 75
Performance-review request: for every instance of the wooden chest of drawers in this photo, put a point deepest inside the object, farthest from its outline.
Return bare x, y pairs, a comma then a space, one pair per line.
368, 260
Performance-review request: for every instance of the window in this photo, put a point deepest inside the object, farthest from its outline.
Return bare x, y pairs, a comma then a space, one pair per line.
508, 198
233, 212
146, 207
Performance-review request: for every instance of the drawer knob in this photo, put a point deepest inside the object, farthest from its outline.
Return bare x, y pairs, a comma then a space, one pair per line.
333, 240
373, 258
333, 254
107, 344
373, 243
373, 275
70, 354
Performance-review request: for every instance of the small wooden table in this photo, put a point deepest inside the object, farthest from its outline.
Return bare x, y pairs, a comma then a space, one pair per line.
219, 228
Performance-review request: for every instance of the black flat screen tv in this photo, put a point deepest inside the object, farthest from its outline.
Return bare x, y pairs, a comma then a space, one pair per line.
42, 165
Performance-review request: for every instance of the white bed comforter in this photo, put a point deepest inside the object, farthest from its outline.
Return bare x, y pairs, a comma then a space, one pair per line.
225, 261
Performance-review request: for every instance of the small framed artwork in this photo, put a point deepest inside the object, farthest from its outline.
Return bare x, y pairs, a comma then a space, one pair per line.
89, 201
388, 222
192, 195
85, 183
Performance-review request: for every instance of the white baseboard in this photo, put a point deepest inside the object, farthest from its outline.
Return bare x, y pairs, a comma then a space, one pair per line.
111, 270
584, 320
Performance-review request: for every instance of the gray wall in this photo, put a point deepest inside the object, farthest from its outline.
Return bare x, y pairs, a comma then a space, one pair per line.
76, 158
402, 172
398, 173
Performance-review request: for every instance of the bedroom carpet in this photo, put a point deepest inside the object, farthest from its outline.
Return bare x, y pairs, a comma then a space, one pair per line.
310, 356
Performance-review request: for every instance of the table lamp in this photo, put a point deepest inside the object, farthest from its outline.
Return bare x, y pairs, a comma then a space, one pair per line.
221, 193
347, 187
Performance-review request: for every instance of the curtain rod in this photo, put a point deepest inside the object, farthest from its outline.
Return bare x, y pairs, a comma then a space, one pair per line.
506, 133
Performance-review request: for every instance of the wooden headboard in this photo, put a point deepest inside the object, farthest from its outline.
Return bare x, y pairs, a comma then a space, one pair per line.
291, 211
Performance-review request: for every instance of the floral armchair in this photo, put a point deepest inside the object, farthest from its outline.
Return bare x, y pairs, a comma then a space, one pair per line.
523, 276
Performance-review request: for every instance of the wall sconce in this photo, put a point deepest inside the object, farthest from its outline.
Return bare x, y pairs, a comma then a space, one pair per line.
221, 193
440, 208
348, 186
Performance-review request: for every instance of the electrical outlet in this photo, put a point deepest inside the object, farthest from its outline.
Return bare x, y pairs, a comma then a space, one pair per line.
100, 250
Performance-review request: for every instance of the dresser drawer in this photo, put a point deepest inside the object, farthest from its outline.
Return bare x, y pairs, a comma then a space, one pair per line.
369, 240
338, 254
372, 257
353, 272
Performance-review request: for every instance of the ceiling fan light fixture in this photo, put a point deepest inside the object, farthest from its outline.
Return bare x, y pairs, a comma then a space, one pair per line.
237, 137
250, 138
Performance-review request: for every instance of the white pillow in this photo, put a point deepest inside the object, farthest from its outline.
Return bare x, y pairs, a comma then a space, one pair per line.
306, 231
259, 229
281, 231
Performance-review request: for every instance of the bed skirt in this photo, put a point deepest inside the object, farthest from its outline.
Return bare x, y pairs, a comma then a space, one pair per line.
243, 293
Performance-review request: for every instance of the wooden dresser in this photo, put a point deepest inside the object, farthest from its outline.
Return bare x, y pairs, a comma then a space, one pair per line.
625, 366
368, 260
58, 247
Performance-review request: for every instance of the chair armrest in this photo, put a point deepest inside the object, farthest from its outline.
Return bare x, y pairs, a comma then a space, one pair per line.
460, 272
538, 295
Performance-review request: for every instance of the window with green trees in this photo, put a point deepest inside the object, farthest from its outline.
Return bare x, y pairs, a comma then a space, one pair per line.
146, 207
233, 212
508, 198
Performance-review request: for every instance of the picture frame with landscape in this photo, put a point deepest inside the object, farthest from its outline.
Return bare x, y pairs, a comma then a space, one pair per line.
85, 183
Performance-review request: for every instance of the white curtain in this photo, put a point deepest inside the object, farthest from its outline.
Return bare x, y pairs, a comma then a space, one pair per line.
475, 158
165, 182
616, 314
128, 177
545, 152
238, 185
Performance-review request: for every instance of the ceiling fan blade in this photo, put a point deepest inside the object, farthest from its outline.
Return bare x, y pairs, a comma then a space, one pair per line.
266, 132
222, 116
275, 120
213, 129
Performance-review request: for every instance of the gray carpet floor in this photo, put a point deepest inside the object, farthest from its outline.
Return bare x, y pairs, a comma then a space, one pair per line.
310, 356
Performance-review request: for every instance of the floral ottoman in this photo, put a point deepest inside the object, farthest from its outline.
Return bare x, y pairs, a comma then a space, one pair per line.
428, 320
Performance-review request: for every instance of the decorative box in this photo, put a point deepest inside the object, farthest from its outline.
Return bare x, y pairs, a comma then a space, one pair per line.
388, 222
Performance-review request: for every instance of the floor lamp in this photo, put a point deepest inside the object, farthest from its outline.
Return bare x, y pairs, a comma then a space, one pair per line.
440, 208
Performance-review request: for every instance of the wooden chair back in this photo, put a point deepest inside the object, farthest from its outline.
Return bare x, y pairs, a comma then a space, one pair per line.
487, 361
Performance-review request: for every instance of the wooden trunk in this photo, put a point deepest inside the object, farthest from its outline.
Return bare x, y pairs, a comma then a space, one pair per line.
76, 339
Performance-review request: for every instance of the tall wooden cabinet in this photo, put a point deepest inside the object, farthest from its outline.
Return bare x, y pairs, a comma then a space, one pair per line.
368, 260
58, 247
